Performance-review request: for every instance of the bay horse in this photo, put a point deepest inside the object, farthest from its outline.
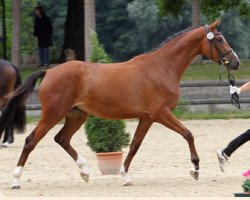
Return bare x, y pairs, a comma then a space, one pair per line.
145, 87
10, 79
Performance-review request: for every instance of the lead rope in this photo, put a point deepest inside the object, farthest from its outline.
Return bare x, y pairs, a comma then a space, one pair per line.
235, 100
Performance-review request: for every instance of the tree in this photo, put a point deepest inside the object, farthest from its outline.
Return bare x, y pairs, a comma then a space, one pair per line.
74, 29
114, 27
89, 24
212, 9
16, 32
149, 29
196, 20
3, 50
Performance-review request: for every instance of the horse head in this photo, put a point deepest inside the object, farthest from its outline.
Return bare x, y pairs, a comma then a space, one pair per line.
215, 47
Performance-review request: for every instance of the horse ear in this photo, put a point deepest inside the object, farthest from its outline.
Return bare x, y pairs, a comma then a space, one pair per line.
215, 24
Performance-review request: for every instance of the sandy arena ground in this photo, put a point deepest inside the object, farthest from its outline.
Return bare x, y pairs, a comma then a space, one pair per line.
161, 167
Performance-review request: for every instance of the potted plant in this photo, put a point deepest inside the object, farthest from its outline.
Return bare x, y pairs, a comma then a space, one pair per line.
245, 186
105, 137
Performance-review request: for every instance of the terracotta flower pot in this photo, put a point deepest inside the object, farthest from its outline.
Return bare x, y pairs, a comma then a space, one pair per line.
109, 162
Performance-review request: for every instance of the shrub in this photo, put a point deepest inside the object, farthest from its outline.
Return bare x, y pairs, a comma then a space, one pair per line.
104, 135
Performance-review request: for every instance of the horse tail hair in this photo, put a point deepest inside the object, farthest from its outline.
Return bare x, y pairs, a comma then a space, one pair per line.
19, 121
19, 97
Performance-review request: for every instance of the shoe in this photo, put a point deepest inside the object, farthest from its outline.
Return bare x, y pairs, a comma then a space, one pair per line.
5, 145
40, 66
223, 159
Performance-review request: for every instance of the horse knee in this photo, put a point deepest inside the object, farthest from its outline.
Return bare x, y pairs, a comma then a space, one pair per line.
188, 136
29, 143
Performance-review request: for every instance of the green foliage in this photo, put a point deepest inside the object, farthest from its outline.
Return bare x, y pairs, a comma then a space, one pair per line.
114, 27
131, 27
28, 41
104, 135
55, 9
170, 7
98, 53
237, 37
246, 185
212, 9
150, 30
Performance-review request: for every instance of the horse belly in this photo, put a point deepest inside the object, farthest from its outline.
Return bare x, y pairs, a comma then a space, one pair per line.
113, 107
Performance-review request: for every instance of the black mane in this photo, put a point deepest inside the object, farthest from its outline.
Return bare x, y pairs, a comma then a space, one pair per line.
174, 36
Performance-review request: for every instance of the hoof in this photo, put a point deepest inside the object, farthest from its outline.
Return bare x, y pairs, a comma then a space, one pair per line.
15, 187
127, 183
85, 177
195, 174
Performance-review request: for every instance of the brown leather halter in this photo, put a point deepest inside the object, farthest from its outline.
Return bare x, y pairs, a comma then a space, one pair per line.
223, 61
212, 42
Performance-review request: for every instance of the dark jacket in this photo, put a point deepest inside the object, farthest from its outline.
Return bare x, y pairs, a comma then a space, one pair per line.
43, 31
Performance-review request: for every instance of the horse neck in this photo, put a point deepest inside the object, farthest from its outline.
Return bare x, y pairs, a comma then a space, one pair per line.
176, 55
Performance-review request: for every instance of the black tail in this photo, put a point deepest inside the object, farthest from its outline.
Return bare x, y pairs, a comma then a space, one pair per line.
19, 97
19, 120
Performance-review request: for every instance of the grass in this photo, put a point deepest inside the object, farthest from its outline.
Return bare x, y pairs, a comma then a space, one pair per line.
210, 71
187, 115
32, 119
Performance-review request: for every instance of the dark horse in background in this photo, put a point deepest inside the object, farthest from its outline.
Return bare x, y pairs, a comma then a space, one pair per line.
10, 79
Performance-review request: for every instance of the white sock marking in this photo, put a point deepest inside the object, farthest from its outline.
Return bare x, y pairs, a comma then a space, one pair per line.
82, 164
17, 174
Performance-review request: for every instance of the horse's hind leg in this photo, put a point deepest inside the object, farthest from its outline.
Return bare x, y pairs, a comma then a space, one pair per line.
45, 124
74, 121
169, 120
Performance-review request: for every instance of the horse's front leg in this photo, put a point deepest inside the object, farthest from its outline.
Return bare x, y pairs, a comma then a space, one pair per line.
167, 119
141, 131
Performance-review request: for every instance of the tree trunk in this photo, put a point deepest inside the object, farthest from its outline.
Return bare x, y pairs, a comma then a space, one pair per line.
90, 24
195, 22
74, 31
196, 12
16, 32
3, 33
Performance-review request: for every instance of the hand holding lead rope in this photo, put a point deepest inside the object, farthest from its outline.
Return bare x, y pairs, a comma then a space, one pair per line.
234, 91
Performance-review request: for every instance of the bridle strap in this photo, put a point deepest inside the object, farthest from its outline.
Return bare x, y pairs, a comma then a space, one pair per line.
231, 79
221, 55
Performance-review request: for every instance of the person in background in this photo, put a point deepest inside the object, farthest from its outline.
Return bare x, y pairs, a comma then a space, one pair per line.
223, 155
43, 31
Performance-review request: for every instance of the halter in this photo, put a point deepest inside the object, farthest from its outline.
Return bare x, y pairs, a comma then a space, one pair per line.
223, 62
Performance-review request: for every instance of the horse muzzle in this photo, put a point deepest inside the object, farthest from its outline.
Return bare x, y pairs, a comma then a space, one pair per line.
234, 64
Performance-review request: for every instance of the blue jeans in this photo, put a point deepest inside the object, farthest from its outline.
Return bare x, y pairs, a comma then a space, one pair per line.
44, 56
